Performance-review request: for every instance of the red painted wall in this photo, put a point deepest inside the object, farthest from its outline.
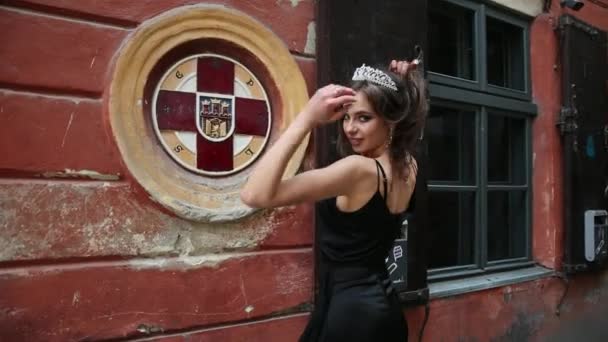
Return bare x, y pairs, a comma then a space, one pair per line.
86, 255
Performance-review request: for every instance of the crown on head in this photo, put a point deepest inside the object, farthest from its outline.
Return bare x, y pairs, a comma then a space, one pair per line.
366, 73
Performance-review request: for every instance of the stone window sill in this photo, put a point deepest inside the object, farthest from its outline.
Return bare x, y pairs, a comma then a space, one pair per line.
487, 281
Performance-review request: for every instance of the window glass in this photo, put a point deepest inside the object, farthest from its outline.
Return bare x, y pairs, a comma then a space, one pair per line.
452, 237
506, 224
505, 54
506, 150
451, 40
451, 145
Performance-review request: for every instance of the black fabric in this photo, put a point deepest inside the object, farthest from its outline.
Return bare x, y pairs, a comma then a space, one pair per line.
356, 302
385, 181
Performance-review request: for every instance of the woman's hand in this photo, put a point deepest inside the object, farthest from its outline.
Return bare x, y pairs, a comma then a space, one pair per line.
402, 67
328, 104
265, 186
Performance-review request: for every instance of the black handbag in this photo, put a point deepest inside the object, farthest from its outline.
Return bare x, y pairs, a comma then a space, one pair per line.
396, 261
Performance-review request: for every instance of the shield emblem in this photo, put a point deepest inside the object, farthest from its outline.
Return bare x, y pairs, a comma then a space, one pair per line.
215, 116
212, 115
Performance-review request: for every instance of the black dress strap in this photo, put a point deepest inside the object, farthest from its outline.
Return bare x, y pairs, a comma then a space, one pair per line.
381, 170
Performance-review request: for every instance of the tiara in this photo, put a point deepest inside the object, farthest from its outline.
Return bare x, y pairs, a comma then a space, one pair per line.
365, 73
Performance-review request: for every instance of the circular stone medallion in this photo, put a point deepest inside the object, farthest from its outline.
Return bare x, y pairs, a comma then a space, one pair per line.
211, 114
190, 107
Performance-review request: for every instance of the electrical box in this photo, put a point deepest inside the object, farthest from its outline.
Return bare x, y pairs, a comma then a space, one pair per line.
596, 234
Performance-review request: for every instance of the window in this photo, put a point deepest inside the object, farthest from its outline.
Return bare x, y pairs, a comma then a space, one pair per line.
453, 54
505, 55
478, 139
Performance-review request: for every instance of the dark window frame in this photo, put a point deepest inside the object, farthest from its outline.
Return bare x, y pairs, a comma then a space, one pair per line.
481, 11
449, 80
485, 99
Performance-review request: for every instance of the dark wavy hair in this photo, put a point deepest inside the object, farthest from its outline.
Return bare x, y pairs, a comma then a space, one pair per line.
407, 108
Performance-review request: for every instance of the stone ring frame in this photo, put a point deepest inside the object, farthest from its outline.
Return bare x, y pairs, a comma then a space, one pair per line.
154, 46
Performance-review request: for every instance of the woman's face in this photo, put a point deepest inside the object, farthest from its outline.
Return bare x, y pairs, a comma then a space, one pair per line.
366, 131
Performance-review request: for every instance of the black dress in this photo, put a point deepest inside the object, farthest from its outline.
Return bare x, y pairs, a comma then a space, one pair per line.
356, 301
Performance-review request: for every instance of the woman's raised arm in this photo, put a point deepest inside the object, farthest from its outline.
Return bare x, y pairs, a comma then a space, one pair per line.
265, 188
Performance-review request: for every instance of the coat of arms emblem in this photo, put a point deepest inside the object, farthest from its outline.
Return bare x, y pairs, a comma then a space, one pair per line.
215, 119
211, 114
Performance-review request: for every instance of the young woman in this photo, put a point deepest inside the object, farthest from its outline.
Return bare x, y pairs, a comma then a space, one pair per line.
362, 197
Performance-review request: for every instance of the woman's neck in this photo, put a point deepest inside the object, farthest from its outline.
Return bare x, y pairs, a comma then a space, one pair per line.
377, 153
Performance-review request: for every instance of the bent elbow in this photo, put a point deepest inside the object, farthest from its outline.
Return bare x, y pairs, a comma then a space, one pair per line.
251, 200
247, 198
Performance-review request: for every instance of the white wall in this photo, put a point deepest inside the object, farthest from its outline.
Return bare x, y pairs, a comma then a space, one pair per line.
529, 7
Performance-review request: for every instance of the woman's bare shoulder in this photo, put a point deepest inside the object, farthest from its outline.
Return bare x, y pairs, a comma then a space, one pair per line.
362, 165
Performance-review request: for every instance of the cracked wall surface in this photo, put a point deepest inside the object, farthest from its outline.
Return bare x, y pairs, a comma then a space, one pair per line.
78, 232
85, 254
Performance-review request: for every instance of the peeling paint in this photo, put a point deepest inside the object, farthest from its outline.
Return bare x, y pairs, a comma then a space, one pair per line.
69, 173
593, 296
11, 311
98, 219
138, 239
294, 3
67, 129
76, 298
183, 244
94, 58
311, 38
523, 328
224, 213
9, 248
546, 196
244, 293
288, 279
182, 262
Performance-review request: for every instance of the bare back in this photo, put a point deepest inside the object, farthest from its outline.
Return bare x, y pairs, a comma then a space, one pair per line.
400, 190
